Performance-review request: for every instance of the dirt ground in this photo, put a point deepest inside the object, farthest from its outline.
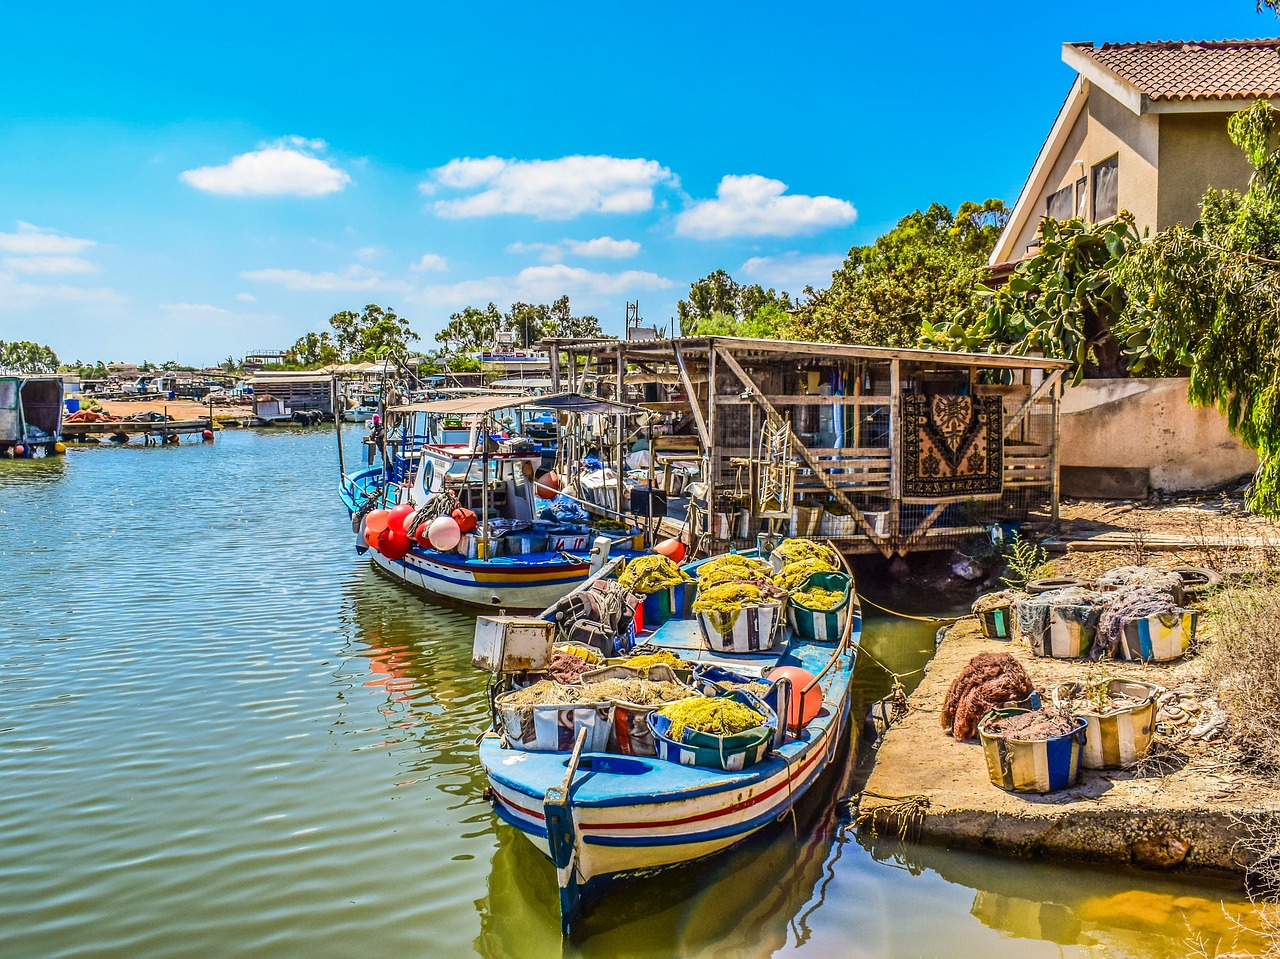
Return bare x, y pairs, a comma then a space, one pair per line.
178, 409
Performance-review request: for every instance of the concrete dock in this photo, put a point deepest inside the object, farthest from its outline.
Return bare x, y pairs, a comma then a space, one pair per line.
1183, 812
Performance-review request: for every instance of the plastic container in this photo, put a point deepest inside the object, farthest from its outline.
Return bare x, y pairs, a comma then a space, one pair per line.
670, 603
731, 753
1121, 737
1032, 765
823, 625
555, 728
754, 630
1153, 640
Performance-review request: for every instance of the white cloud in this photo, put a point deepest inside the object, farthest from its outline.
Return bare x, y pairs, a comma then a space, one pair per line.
352, 278
286, 168
367, 253
246, 298
20, 295
542, 284
429, 261
601, 247
604, 246
36, 241
48, 264
792, 271
754, 205
548, 189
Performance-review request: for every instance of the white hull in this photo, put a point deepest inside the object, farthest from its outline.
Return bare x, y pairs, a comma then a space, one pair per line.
506, 586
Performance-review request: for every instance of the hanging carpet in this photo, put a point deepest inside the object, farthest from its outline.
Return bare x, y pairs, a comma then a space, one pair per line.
951, 446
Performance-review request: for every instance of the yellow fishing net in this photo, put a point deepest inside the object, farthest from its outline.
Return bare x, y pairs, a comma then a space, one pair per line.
651, 574
660, 658
818, 599
731, 567
792, 550
723, 603
796, 572
718, 716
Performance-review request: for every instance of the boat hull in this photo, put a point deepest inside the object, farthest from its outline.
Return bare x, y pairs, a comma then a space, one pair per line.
497, 584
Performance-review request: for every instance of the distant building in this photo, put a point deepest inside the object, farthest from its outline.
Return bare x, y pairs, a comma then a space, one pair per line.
1143, 129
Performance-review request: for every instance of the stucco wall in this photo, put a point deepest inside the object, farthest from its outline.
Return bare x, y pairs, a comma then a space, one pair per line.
1104, 128
1195, 154
1149, 424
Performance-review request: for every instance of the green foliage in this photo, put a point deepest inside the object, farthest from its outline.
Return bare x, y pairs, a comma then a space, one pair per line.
371, 335
1211, 296
314, 350
1063, 302
720, 306
473, 330
1023, 561
24, 356
922, 271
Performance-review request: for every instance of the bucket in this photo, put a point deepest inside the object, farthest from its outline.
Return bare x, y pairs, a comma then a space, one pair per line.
1158, 639
1064, 639
555, 728
731, 753
805, 520
1119, 738
1035, 766
754, 630
822, 625
997, 623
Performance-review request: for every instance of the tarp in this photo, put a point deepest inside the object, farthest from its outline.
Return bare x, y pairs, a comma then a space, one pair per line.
562, 402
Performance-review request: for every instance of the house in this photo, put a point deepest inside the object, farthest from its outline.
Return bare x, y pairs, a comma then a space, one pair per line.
1143, 129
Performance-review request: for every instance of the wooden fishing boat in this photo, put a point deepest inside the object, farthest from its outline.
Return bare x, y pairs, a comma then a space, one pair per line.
602, 817
446, 454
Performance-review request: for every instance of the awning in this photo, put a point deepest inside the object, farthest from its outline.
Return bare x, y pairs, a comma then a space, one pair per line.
561, 402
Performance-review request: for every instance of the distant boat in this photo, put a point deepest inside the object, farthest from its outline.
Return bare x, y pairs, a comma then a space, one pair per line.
31, 408
444, 454
602, 817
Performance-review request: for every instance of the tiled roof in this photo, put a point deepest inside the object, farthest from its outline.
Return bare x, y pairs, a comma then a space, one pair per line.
1194, 69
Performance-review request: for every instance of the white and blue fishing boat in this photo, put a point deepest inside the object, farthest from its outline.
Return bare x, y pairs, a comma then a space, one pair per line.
529, 546
602, 816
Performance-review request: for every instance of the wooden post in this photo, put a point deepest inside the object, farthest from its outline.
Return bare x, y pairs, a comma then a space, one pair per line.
711, 457
895, 452
619, 445
554, 357
337, 425
1055, 436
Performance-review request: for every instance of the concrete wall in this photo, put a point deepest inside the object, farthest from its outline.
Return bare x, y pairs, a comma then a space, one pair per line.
1117, 432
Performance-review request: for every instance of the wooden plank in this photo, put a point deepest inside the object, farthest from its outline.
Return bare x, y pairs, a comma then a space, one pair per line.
698, 419
1055, 488
1012, 423
943, 357
732, 399
895, 450
923, 528
800, 448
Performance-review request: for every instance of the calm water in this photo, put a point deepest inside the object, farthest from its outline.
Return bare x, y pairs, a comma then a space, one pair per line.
223, 735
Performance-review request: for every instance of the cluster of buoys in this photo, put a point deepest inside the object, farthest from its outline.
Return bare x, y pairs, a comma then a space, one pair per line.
23, 450
387, 530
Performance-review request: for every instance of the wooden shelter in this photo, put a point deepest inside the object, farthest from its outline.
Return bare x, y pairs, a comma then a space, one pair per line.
879, 450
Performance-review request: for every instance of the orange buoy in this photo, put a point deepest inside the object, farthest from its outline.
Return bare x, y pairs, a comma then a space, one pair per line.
672, 549
547, 485
802, 706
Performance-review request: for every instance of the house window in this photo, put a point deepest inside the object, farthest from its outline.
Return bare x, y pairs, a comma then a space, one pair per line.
1106, 177
1082, 197
1061, 204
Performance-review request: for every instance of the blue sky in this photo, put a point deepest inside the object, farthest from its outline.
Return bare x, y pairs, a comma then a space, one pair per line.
189, 181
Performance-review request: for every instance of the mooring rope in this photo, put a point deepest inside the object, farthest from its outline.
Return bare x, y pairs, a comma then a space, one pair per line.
919, 619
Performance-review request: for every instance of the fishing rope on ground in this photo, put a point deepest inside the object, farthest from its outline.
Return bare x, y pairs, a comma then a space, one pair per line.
920, 619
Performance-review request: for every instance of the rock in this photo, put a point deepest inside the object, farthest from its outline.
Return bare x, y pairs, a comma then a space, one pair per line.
967, 569
1160, 851
899, 569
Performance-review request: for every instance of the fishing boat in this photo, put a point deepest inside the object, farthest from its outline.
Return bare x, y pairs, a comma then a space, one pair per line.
530, 545
603, 816
31, 408
365, 406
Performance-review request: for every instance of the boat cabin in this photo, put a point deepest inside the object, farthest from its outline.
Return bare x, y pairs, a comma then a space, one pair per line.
31, 410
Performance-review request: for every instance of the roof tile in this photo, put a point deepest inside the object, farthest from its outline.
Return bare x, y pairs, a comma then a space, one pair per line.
1194, 69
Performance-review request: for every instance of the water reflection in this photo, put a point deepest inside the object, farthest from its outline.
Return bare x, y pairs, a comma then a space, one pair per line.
31, 472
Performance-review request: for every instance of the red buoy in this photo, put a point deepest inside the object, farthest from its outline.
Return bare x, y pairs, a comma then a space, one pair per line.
802, 706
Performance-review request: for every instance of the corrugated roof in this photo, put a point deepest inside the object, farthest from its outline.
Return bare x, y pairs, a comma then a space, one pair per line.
1194, 69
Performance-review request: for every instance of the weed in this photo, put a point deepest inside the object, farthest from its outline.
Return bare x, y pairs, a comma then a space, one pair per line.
1024, 561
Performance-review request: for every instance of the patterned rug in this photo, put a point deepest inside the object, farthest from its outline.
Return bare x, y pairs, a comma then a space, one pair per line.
951, 446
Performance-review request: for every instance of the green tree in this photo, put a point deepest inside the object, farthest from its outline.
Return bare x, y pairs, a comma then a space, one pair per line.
471, 330
924, 270
718, 295
1211, 299
1063, 302
373, 334
24, 356
314, 350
